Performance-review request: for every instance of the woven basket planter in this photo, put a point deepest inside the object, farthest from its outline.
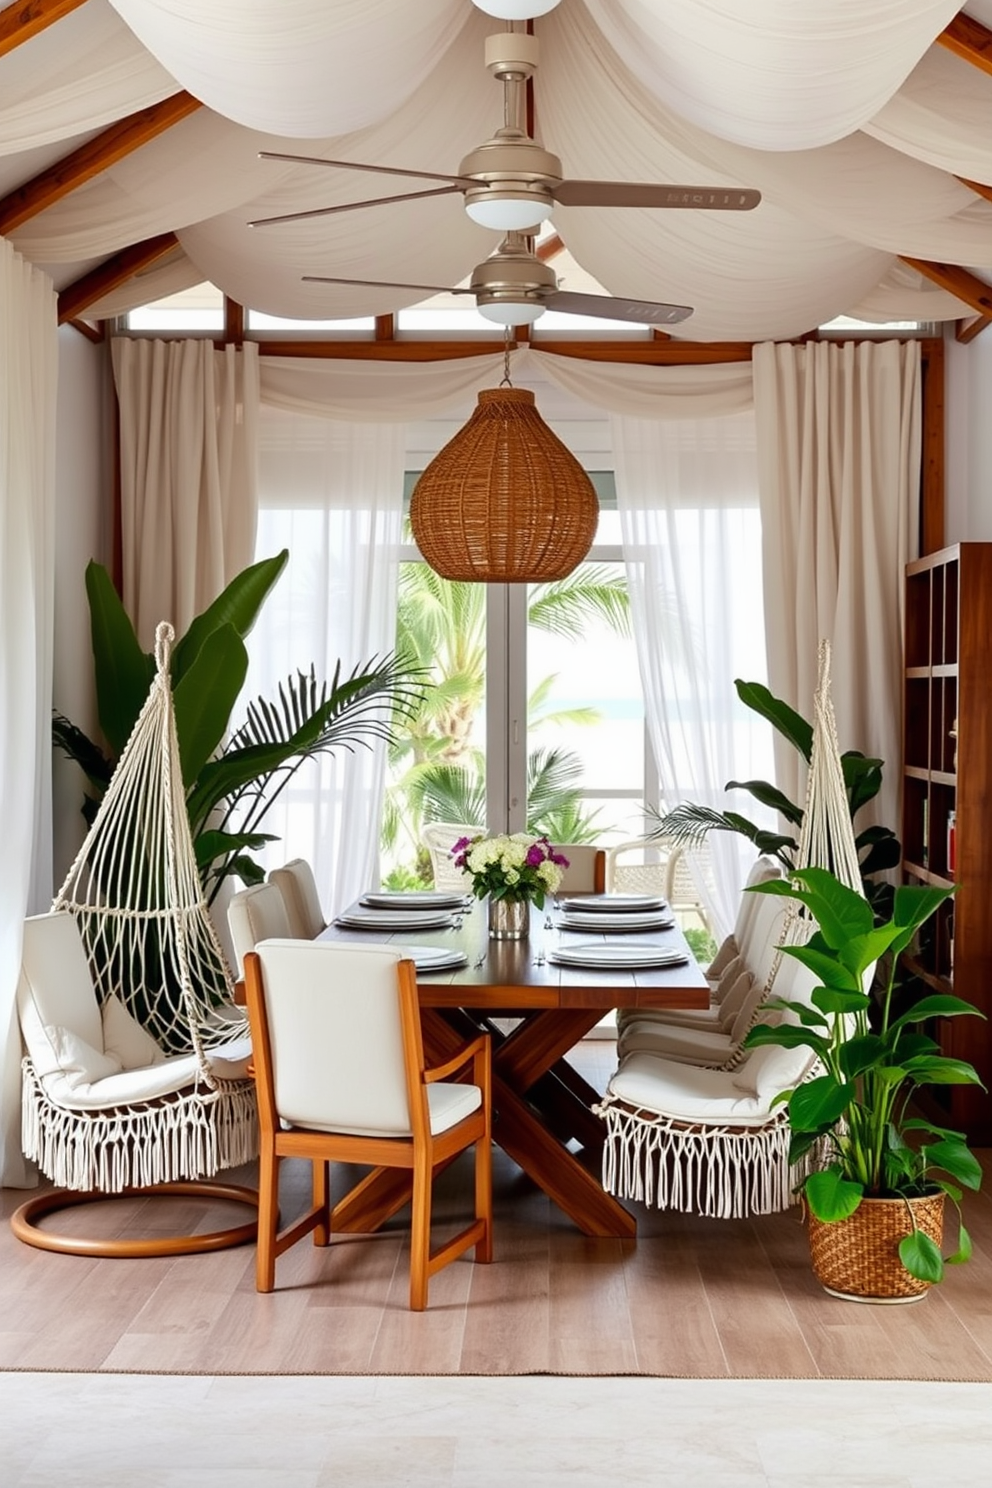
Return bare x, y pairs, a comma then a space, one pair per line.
858, 1257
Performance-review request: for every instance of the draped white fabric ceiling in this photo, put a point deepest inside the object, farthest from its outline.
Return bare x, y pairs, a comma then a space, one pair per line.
846, 115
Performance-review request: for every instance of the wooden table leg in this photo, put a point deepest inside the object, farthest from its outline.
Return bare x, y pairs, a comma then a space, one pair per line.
556, 1170
525, 1065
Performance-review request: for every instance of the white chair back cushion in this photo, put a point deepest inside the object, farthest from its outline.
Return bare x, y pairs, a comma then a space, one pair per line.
337, 1041
580, 875
759, 948
763, 870
255, 914
55, 991
125, 1039
296, 884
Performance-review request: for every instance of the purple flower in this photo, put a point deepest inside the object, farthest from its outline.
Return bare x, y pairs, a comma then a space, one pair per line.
557, 857
535, 855
460, 845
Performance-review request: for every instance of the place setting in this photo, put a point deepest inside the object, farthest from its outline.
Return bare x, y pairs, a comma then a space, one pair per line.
602, 956
615, 913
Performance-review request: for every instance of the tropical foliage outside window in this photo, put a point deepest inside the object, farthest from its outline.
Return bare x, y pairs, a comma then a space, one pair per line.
437, 763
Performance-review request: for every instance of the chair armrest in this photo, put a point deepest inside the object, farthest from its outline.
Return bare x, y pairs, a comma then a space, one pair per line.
477, 1053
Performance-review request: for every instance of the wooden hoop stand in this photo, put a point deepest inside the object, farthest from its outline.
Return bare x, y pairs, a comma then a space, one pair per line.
23, 1222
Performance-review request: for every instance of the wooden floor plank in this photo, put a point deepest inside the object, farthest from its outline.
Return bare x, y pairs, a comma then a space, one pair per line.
693, 1297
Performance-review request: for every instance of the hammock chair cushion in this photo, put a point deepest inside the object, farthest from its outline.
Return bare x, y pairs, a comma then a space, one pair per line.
65, 1035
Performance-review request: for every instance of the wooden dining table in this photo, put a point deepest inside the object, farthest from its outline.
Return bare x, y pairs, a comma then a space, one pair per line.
542, 1106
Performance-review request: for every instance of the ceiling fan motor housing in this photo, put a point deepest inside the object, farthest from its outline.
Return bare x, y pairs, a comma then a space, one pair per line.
505, 278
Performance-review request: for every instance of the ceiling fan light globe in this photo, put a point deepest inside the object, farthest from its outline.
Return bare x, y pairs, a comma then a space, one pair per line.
512, 312
508, 213
516, 10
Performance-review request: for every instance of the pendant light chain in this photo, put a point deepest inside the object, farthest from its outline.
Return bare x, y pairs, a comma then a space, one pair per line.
505, 380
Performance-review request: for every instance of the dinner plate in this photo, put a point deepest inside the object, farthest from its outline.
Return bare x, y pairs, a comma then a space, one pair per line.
433, 958
610, 924
395, 919
616, 957
418, 899
615, 903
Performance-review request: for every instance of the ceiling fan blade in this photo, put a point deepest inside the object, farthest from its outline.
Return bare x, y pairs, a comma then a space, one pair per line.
372, 201
642, 194
379, 170
642, 312
384, 284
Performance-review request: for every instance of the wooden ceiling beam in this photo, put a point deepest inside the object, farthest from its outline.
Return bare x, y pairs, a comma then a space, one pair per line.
650, 353
967, 330
76, 298
969, 39
19, 22
75, 169
957, 281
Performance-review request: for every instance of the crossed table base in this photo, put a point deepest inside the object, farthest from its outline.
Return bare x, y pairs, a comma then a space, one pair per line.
540, 1102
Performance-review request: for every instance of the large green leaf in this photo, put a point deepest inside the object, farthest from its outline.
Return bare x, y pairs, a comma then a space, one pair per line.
954, 1158
830, 1195
818, 1103
205, 696
769, 796
921, 1257
124, 672
841, 913
862, 778
937, 1005
790, 724
237, 605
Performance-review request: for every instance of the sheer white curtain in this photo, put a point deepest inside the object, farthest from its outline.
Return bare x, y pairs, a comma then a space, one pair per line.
331, 492
839, 465
28, 380
687, 494
188, 492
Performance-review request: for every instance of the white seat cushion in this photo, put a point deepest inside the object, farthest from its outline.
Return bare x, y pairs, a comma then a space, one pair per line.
447, 1105
686, 1092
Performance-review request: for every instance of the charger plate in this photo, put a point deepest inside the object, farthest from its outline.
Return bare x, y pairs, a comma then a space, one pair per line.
616, 957
574, 920
615, 903
433, 958
418, 899
395, 919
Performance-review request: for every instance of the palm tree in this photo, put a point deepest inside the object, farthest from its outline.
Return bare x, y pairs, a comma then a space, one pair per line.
438, 773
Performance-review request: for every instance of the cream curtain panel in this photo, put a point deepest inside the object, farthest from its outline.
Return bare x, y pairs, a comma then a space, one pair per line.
688, 500
850, 120
332, 493
28, 381
188, 475
838, 465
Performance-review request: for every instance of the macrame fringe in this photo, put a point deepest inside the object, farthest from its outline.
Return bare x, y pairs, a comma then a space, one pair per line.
721, 1172
189, 1134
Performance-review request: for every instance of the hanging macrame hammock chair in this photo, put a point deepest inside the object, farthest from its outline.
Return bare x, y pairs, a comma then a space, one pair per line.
135, 895
709, 1164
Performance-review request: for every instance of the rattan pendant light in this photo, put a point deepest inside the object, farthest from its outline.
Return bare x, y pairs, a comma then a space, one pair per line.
504, 501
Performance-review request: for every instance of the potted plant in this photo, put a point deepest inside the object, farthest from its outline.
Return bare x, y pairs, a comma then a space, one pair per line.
871, 1159
230, 779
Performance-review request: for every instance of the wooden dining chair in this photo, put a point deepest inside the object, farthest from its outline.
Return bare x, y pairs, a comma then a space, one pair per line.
298, 887
254, 914
339, 1064
586, 871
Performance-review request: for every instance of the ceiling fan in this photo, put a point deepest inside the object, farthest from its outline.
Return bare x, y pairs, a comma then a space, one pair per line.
511, 183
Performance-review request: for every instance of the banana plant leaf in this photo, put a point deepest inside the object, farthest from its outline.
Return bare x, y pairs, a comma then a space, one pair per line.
124, 672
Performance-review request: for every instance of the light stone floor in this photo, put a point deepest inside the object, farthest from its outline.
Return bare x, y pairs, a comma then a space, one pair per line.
154, 1431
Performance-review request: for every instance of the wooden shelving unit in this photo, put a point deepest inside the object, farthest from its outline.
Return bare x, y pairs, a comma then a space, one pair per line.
947, 768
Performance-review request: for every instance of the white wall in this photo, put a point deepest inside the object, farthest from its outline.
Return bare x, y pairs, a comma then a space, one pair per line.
83, 505
968, 494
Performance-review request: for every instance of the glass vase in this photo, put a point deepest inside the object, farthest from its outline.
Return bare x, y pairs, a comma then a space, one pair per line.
509, 919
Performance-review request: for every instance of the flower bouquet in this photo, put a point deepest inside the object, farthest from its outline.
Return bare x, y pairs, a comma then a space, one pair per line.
517, 867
